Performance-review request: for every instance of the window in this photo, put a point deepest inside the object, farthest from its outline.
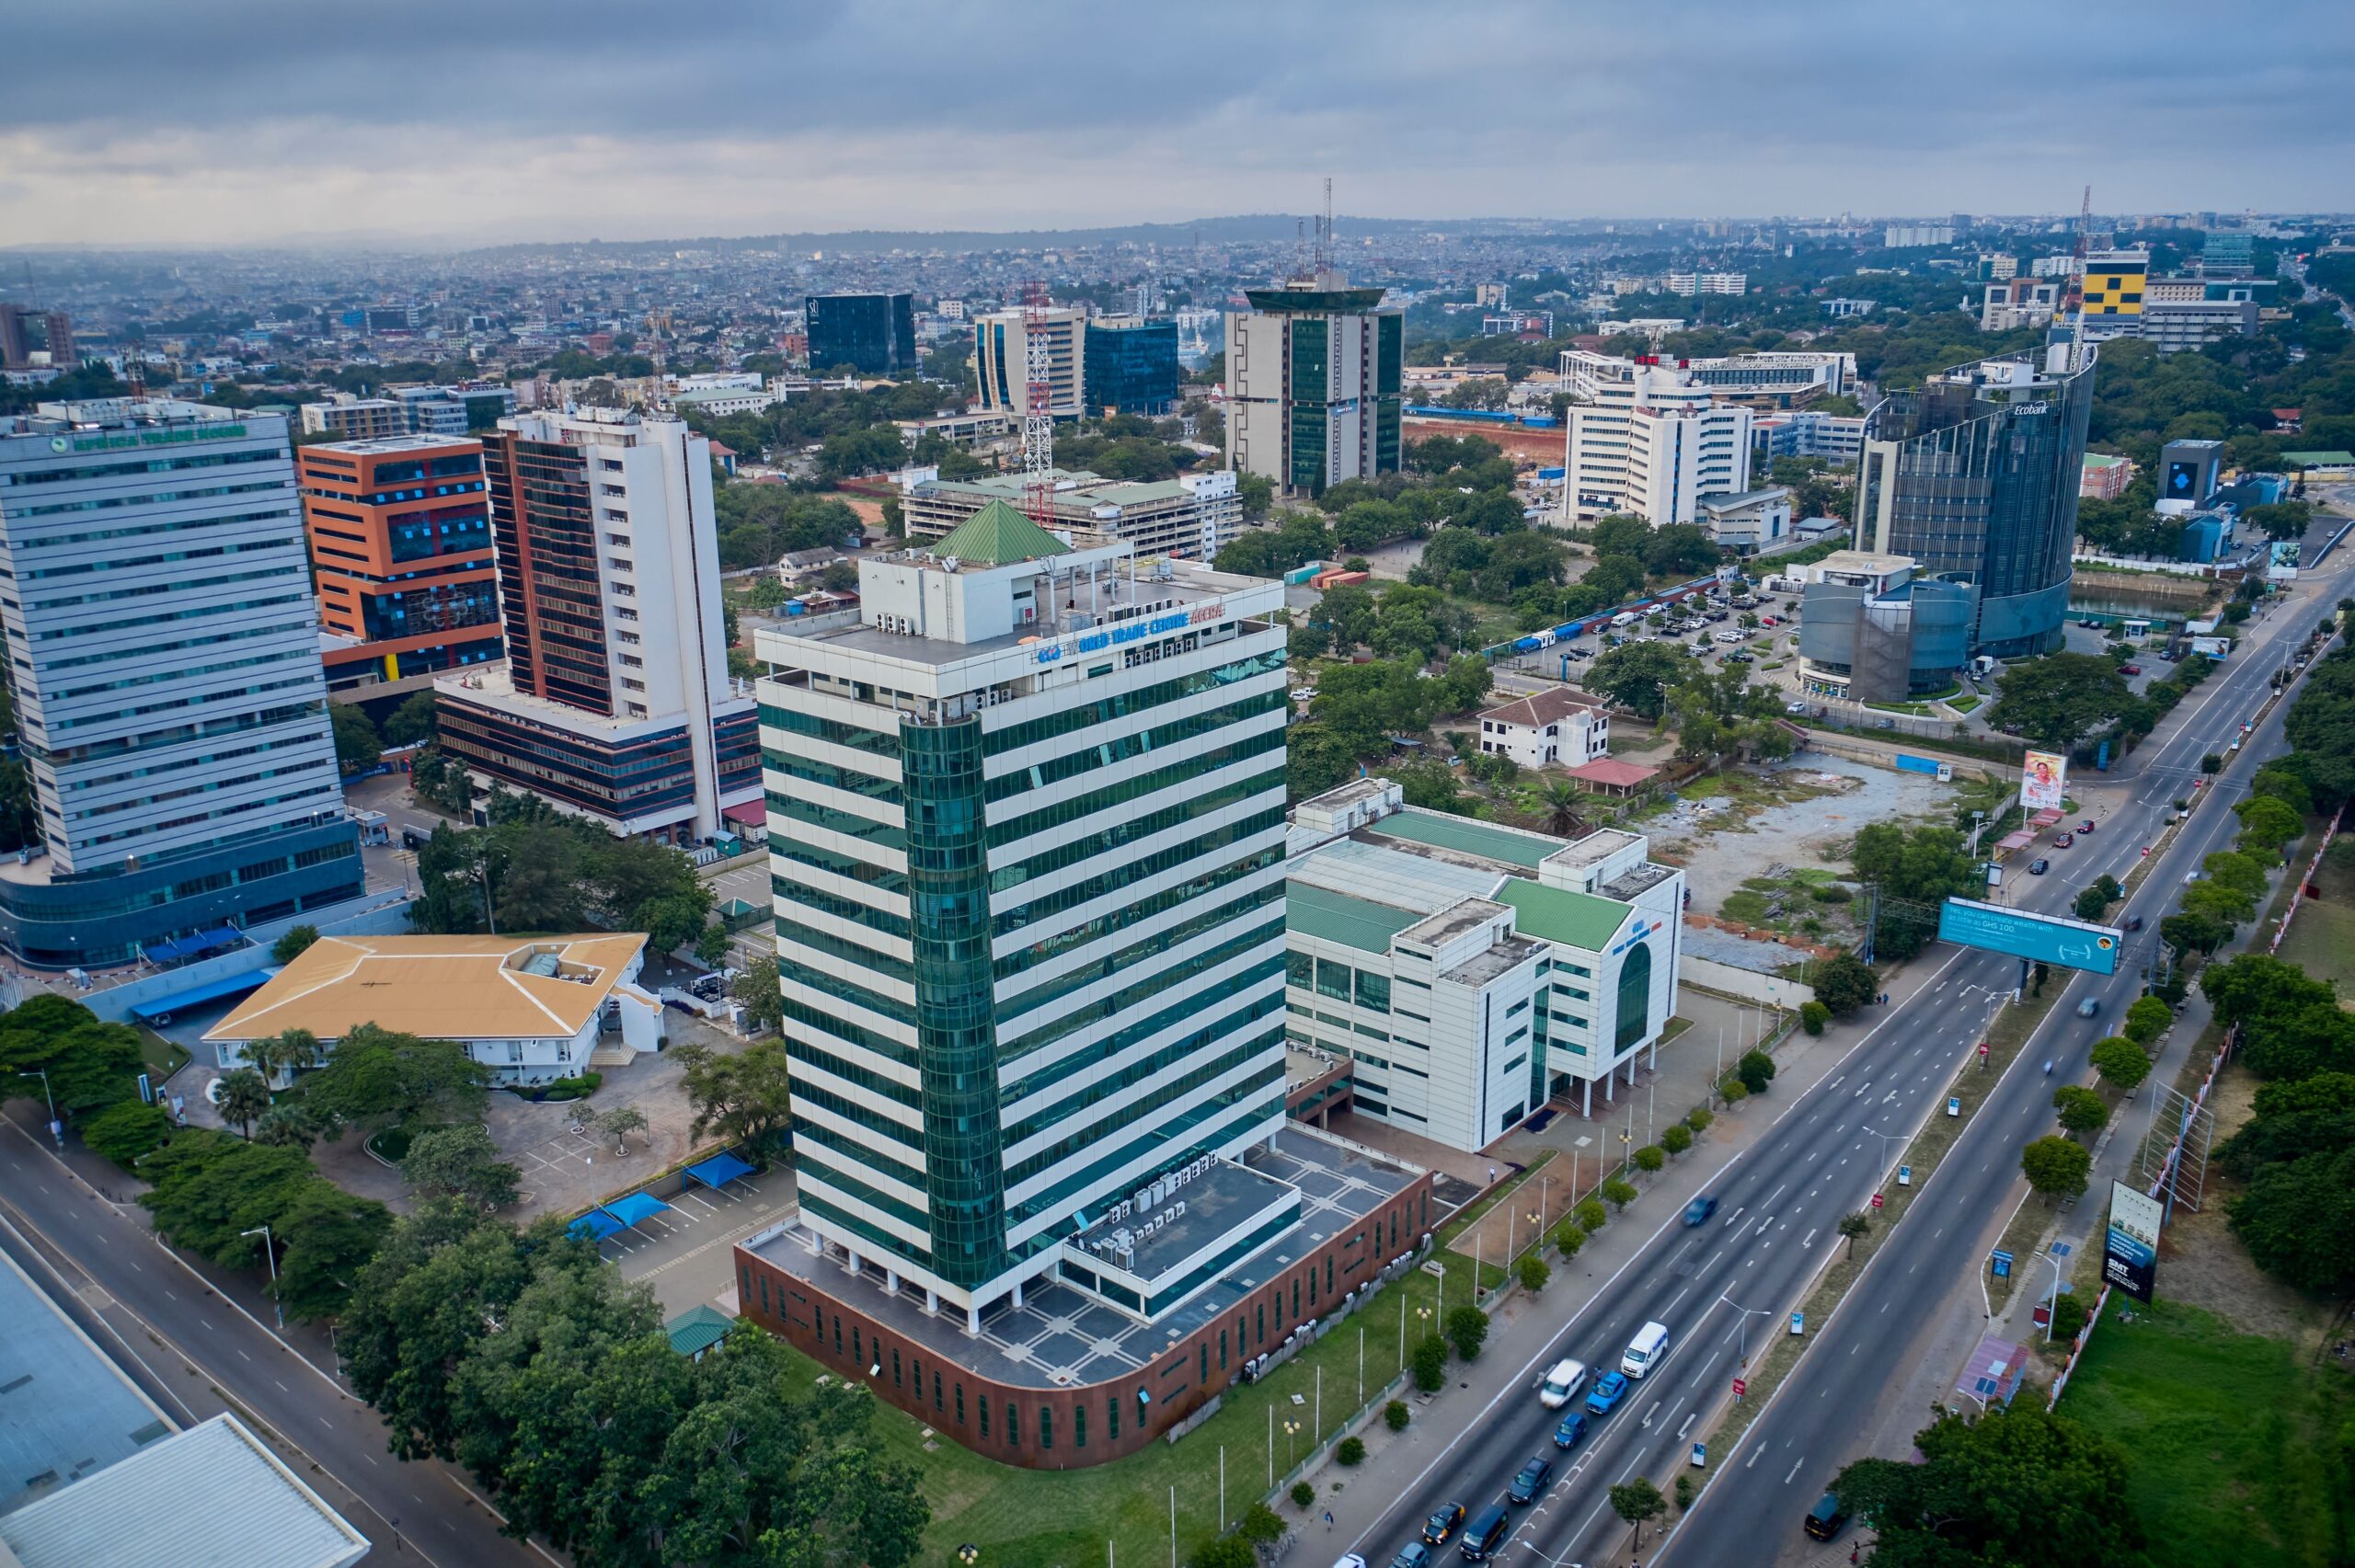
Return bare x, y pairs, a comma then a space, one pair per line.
1046, 1427
961, 1405
1112, 1415
1634, 997
981, 1403
1222, 1349
1333, 979
1373, 990
1079, 1425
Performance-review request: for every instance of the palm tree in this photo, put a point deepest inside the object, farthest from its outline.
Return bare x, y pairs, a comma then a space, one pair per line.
283, 1054
290, 1125
1852, 1226
1562, 799
243, 1095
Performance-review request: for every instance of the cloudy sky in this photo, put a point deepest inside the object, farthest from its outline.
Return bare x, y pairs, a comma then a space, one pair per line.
145, 121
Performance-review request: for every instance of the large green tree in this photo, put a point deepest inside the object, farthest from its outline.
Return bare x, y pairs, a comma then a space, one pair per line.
1640, 677
745, 1096
377, 1078
88, 1065
2013, 1485
2059, 700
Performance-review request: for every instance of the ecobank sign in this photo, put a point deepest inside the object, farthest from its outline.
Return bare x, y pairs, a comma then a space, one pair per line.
1131, 631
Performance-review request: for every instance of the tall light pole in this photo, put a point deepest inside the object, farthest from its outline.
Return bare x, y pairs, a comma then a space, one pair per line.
2052, 1303
269, 1251
1747, 1313
56, 1127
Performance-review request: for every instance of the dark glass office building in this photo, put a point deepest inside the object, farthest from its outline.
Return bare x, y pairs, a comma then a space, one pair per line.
875, 332
1130, 367
1974, 476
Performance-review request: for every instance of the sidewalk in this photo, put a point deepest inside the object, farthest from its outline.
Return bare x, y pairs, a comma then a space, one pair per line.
1523, 1328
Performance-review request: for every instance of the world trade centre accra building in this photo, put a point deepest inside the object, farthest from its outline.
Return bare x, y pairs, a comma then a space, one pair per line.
1026, 811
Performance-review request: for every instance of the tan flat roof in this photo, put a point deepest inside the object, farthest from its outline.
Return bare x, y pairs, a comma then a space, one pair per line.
441, 988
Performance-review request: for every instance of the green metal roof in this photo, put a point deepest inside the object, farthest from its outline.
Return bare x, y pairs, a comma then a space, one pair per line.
1556, 914
698, 1329
997, 535
1336, 917
2320, 459
1462, 834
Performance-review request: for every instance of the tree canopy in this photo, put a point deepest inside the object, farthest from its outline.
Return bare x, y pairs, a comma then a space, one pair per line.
2059, 700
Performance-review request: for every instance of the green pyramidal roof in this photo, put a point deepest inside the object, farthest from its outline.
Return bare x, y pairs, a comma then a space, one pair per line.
997, 535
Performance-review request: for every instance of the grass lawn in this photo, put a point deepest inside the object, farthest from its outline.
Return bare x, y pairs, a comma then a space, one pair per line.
1964, 705
2322, 940
2228, 1436
163, 1057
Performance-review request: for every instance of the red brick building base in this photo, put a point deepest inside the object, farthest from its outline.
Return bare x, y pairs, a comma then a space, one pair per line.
1068, 1428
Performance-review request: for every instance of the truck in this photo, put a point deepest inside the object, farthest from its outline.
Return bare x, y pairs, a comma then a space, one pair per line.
1624, 618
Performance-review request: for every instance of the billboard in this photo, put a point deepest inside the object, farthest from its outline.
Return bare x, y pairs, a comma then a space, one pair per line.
2281, 563
2043, 775
2052, 939
2130, 1248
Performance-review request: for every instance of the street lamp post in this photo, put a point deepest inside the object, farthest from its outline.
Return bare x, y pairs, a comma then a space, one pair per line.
56, 1127
269, 1251
1743, 1331
2052, 1303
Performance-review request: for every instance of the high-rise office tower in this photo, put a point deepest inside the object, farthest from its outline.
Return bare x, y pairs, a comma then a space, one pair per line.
874, 334
401, 546
1974, 476
163, 654
1026, 831
1647, 440
1313, 376
30, 336
1132, 366
1000, 359
615, 702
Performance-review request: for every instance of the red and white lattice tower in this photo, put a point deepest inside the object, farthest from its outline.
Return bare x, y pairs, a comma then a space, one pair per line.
1038, 410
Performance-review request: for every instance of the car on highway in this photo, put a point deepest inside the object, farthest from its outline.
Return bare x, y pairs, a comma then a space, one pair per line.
2086, 826
1530, 1480
1562, 1383
1697, 1212
1441, 1528
1609, 1390
1571, 1432
1487, 1535
2088, 1007
1826, 1519
2064, 841
2132, 923
2038, 866
1414, 1554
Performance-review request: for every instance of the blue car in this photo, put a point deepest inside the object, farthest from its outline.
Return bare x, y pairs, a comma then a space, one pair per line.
1415, 1555
1571, 1432
1697, 1212
1609, 1390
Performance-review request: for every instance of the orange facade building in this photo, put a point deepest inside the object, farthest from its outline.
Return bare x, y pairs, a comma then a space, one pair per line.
400, 532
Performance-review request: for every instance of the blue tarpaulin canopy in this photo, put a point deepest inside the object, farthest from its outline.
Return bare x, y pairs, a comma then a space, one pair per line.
197, 996
189, 946
596, 1225
637, 1206
718, 1171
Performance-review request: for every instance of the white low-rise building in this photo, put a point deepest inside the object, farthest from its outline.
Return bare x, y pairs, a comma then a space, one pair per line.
1559, 725
532, 1009
1472, 972
1750, 522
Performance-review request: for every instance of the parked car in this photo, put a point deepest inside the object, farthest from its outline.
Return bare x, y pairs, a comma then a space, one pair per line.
1795, 707
1571, 1432
2038, 866
1561, 1384
2130, 669
1826, 1519
1441, 1528
1697, 1212
1609, 1390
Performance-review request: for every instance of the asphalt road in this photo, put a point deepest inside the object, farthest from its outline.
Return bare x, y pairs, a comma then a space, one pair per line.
1723, 1287
196, 1351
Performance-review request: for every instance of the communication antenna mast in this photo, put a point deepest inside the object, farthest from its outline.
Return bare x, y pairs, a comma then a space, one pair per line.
1324, 232
1038, 408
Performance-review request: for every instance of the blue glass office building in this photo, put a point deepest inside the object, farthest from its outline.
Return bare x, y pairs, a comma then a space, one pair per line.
1132, 367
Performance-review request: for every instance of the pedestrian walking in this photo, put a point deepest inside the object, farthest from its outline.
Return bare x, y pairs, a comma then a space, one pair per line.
1329, 1518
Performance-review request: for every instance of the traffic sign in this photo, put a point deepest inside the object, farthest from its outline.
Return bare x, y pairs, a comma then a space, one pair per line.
1905, 1175
1983, 1050
2000, 1262
1875, 1200
1739, 1388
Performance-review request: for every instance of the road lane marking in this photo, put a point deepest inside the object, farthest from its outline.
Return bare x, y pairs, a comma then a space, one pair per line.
1795, 1469
1809, 1239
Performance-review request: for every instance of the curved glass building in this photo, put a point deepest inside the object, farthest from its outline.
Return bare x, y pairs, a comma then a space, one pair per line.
1974, 477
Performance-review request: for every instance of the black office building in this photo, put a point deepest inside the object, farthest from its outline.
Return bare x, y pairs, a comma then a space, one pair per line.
1974, 476
874, 334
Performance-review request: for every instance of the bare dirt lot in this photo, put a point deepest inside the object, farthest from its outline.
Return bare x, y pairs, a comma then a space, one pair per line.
1800, 815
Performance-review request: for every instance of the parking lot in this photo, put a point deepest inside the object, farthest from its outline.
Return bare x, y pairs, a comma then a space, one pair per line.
684, 1252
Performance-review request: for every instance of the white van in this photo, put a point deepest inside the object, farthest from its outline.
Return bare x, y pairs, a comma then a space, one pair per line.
1645, 1351
1726, 637
1624, 618
1562, 1382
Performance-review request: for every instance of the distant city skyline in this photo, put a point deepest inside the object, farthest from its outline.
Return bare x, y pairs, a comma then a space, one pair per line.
442, 125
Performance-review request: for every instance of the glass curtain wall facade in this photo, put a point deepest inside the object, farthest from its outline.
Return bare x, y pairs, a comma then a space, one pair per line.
1131, 369
1030, 934
874, 334
1974, 475
544, 523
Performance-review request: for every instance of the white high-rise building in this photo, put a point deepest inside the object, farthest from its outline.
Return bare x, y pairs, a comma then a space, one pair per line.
172, 707
1647, 440
1027, 834
1001, 359
615, 702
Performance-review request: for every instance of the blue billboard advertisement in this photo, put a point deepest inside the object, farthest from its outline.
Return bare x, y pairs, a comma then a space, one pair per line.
2052, 939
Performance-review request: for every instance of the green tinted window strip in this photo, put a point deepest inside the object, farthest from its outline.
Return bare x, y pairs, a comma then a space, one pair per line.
1088, 716
885, 920
1136, 1071
857, 736
1093, 1130
848, 780
847, 823
852, 867
1072, 764
836, 1176
851, 1110
1004, 879
1144, 910
891, 1089
1078, 806
848, 952
1136, 952
878, 1241
849, 1033
855, 1154
1171, 859
1128, 996
1257, 1101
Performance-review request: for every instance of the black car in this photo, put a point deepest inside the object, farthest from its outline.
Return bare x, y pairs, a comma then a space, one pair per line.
1441, 1528
2132, 923
1531, 1479
1487, 1535
2038, 866
1826, 1519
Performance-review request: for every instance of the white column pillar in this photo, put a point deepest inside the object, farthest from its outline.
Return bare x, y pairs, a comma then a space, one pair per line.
1018, 1295
891, 1280
931, 1302
1586, 1097
850, 1259
973, 1319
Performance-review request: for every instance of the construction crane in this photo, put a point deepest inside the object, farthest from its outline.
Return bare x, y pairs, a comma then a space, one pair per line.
2073, 302
1038, 410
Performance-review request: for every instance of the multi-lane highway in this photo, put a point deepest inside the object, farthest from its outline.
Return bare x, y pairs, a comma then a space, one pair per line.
1728, 1283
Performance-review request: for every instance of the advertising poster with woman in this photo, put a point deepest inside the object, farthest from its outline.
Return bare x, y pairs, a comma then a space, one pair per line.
2042, 774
